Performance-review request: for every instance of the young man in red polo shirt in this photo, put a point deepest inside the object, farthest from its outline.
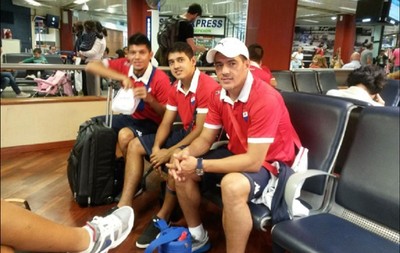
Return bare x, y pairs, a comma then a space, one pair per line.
150, 84
189, 98
256, 53
257, 122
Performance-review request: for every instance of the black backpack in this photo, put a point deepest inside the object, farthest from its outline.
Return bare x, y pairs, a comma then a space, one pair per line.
169, 31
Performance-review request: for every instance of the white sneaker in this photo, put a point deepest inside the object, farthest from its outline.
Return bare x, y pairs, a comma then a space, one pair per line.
199, 246
111, 230
30, 77
23, 95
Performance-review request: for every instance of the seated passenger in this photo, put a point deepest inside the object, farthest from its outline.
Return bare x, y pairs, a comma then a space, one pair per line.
318, 62
7, 78
354, 61
257, 122
256, 53
150, 84
189, 99
37, 58
364, 84
23, 230
52, 50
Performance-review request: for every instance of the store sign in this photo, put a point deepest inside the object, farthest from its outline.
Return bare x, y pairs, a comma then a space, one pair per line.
207, 26
214, 26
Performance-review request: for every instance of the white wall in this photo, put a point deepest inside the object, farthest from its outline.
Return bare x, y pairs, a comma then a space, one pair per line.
27, 124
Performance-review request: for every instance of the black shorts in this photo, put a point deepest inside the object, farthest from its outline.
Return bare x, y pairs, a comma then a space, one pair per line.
173, 138
258, 180
138, 126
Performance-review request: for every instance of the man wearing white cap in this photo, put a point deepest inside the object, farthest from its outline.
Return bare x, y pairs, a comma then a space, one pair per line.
257, 122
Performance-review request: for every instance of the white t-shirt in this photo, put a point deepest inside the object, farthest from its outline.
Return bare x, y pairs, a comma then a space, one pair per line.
355, 93
352, 65
296, 61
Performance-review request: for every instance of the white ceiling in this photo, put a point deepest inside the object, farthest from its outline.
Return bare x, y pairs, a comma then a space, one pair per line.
309, 12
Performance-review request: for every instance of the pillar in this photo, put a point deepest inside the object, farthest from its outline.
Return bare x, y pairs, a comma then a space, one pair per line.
271, 24
137, 10
67, 38
345, 36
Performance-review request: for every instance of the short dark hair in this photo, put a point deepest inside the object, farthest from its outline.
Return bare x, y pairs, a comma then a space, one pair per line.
183, 47
139, 39
195, 9
256, 52
371, 76
37, 50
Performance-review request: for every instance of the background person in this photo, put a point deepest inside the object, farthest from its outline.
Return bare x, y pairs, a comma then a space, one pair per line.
52, 50
364, 84
395, 59
7, 78
37, 58
185, 34
256, 53
297, 59
92, 49
318, 62
367, 57
354, 61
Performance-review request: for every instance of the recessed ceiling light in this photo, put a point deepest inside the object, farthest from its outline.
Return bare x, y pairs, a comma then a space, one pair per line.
333, 18
311, 1
311, 21
33, 2
347, 9
223, 2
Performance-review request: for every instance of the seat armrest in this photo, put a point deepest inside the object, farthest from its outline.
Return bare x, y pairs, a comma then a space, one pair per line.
261, 216
295, 182
218, 144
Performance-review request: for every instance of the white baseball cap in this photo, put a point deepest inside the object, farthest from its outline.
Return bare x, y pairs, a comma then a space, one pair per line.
230, 47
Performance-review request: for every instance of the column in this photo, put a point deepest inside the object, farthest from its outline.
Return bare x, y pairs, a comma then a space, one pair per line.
67, 38
137, 10
271, 24
345, 36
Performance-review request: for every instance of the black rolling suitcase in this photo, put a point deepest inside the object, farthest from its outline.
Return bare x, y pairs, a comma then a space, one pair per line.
92, 174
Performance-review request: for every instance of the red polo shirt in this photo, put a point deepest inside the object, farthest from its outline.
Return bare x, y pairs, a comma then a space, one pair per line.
159, 86
196, 98
262, 74
262, 117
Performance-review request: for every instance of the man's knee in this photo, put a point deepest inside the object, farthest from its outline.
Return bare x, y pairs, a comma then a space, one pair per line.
135, 146
235, 187
125, 135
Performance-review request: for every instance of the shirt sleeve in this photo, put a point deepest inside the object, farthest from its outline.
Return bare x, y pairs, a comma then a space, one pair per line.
161, 87
264, 120
213, 118
172, 104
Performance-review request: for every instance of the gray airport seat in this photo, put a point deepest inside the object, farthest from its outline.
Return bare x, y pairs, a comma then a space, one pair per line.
363, 215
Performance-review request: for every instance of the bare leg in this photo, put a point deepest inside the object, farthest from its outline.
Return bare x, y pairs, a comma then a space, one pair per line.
133, 171
236, 219
189, 198
125, 135
169, 201
24, 230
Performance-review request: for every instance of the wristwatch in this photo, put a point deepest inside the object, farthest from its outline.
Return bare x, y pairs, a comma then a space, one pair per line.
199, 167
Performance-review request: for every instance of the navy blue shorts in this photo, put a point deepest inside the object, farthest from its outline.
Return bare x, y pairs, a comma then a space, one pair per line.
173, 138
258, 180
138, 126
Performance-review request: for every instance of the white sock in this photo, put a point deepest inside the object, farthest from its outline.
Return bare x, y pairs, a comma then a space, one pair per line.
90, 230
198, 232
